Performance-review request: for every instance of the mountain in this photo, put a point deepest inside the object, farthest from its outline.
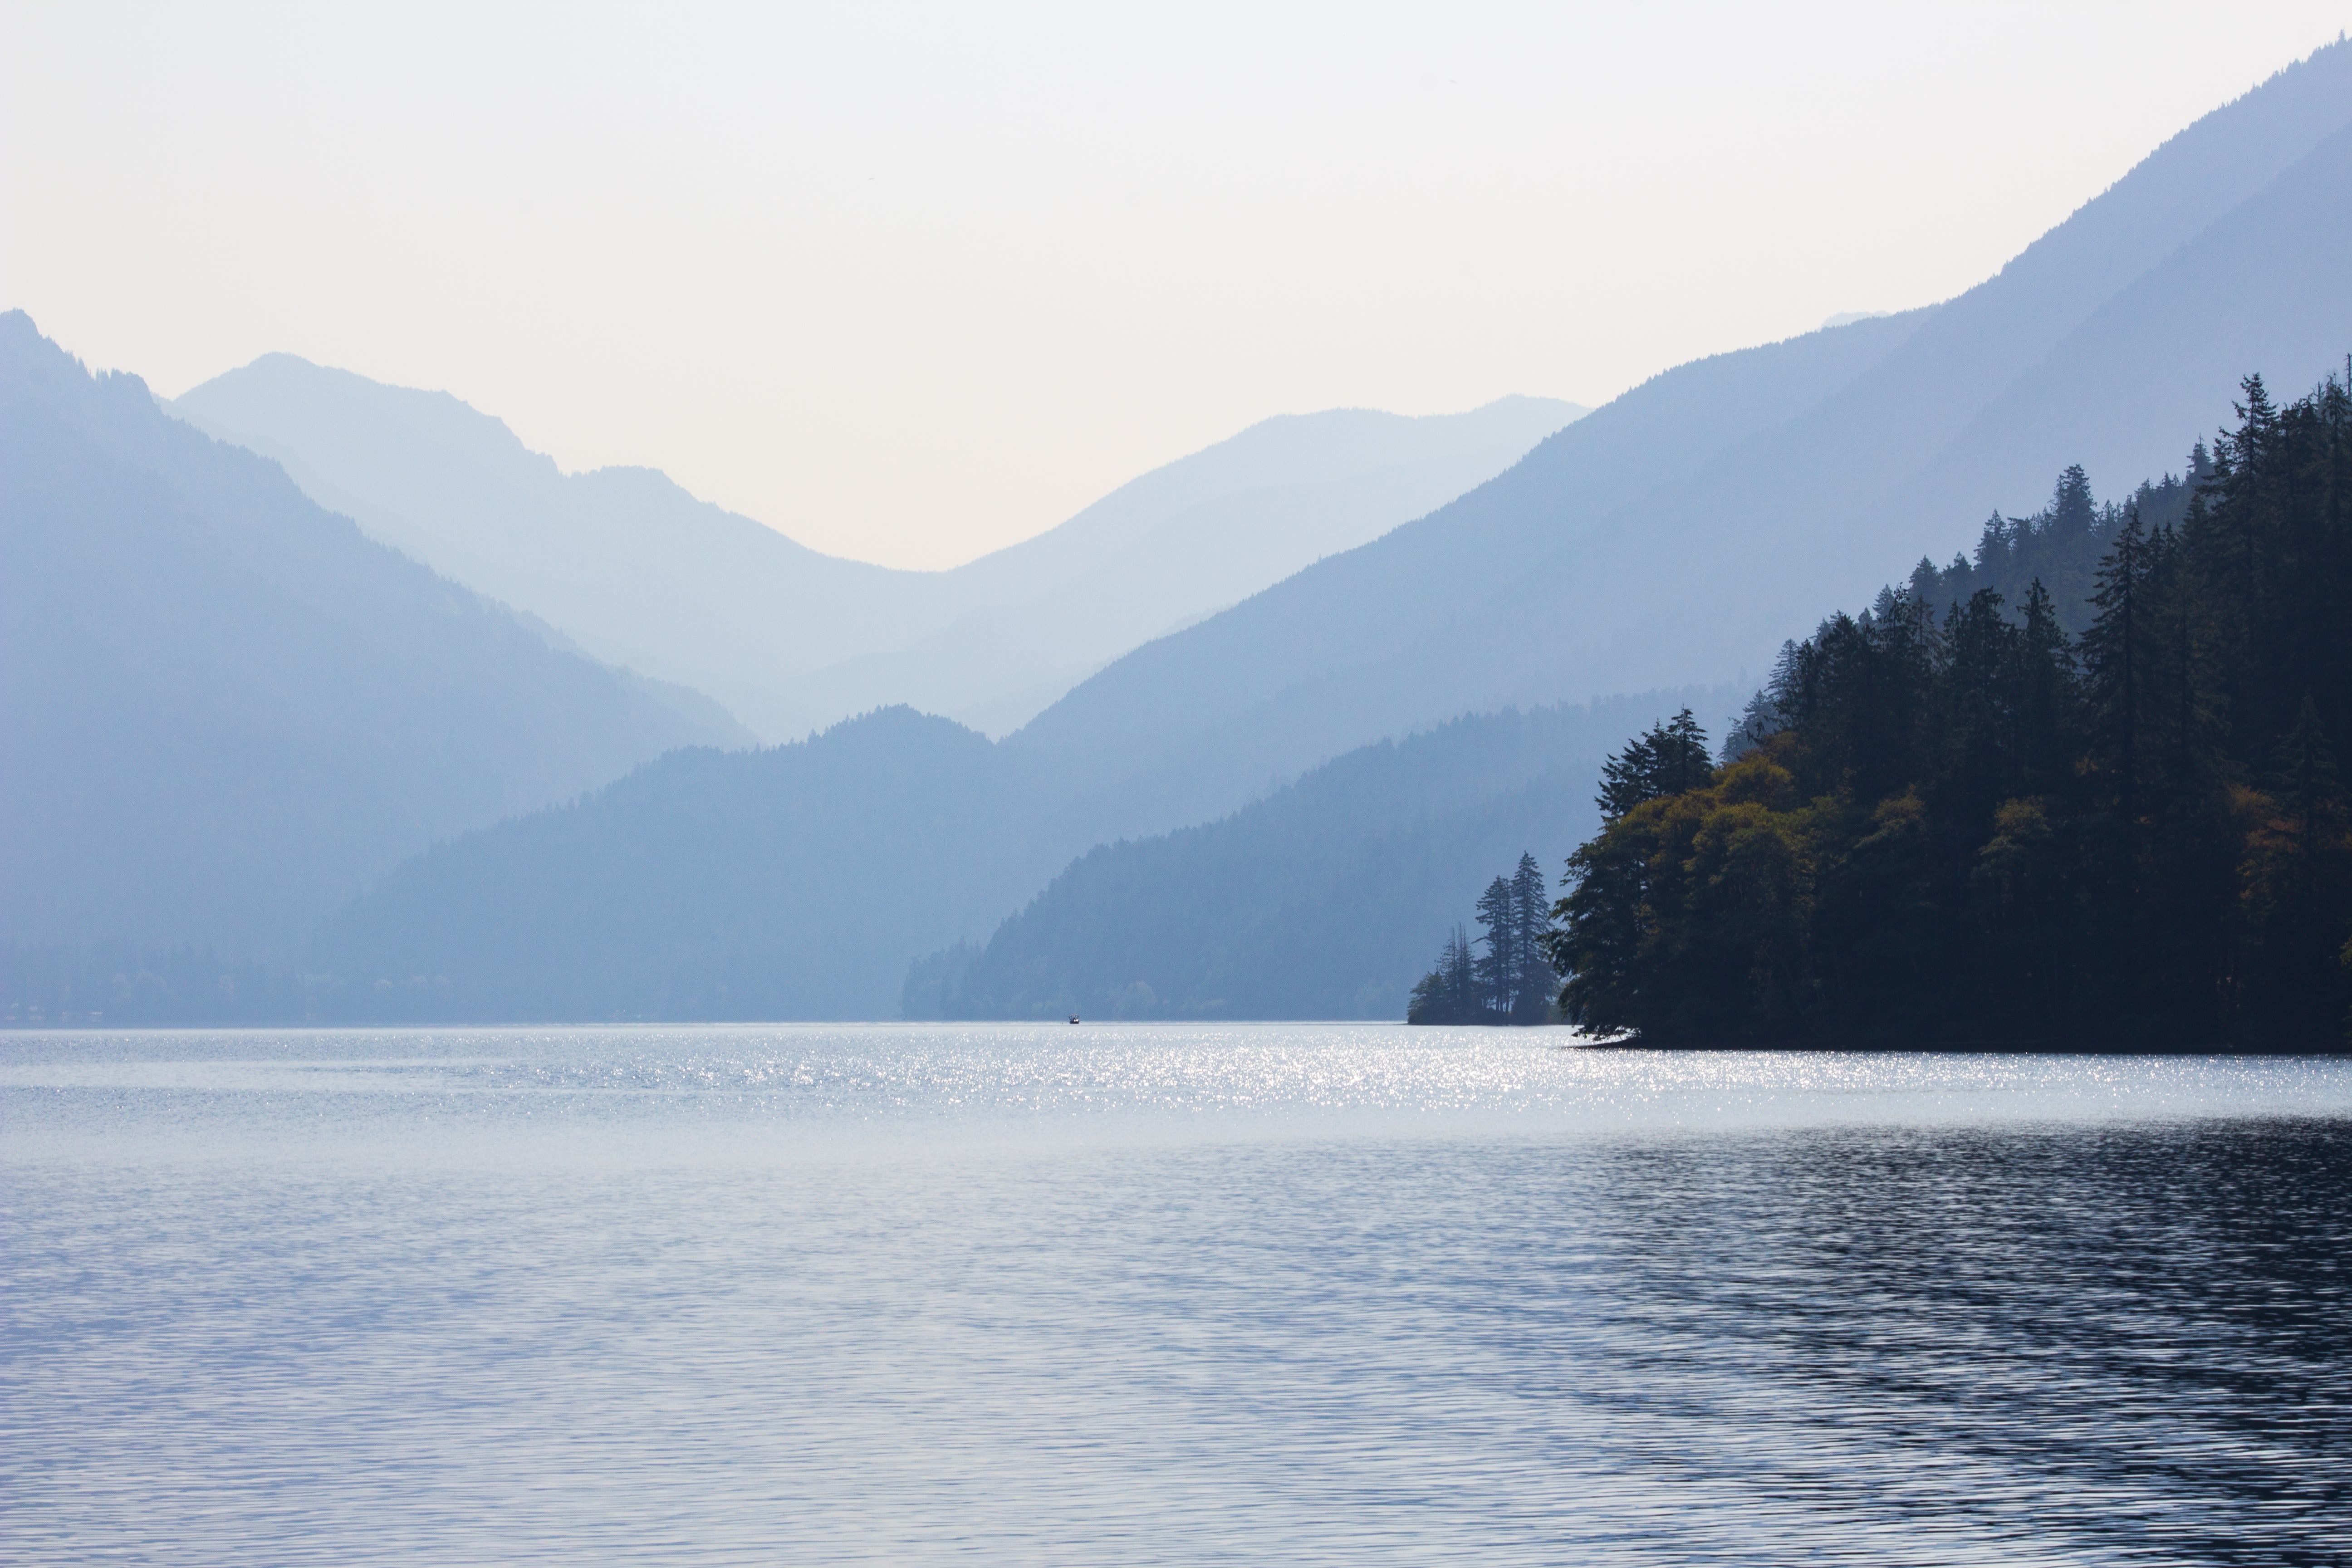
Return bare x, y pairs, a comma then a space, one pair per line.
1178, 544
1385, 639
1664, 541
800, 881
1674, 535
621, 560
637, 571
222, 709
796, 881
1323, 900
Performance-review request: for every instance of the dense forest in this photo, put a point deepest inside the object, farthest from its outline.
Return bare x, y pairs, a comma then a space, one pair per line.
1980, 811
1511, 982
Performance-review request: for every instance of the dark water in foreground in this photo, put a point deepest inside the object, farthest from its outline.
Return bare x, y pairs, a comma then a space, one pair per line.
1281, 1294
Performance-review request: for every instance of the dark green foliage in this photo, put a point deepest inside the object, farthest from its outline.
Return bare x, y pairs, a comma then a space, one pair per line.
2060, 546
1957, 824
1511, 982
1531, 980
1498, 969
1449, 993
1670, 759
2052, 557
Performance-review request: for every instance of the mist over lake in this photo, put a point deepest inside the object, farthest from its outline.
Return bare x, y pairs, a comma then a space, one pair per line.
1490, 783
1154, 1293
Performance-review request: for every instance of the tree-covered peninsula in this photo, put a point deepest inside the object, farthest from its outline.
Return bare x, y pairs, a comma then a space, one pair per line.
1980, 814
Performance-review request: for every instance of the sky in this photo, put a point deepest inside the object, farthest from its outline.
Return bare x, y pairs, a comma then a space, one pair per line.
913, 282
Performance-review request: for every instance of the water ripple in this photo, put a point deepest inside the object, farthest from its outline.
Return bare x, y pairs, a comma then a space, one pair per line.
1157, 1295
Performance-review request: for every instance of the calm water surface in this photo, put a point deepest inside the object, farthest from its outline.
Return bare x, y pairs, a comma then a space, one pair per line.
1153, 1294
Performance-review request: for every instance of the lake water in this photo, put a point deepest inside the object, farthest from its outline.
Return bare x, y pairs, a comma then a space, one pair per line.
1268, 1294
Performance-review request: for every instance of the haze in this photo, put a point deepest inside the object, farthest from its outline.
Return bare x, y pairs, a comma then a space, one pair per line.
911, 284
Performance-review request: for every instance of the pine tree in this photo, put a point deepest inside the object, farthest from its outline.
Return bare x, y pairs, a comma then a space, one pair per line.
1499, 969
2113, 654
1767, 713
1672, 758
1993, 544
1461, 978
2048, 696
1449, 992
2072, 513
1531, 933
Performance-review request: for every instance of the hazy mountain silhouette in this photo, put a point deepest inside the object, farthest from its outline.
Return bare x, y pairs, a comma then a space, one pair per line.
621, 561
796, 881
1664, 541
1676, 535
800, 881
638, 570
1178, 544
223, 709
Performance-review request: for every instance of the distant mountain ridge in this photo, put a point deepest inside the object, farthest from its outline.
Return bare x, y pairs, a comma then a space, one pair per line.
1177, 545
1661, 543
1673, 536
222, 709
634, 569
792, 881
592, 555
801, 881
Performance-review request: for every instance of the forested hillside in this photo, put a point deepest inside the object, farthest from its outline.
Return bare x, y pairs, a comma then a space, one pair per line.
2058, 548
1962, 824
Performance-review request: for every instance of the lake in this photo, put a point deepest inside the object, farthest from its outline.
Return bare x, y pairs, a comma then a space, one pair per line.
1274, 1293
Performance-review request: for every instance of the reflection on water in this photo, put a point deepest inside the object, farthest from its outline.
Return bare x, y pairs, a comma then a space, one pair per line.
1141, 1296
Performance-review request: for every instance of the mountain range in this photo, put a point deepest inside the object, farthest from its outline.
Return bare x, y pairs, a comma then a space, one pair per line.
631, 567
1680, 533
225, 710
1246, 813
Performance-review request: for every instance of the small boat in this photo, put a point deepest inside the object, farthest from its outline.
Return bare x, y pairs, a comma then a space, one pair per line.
1074, 1017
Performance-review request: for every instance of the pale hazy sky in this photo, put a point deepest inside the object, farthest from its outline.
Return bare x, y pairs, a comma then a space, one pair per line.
909, 282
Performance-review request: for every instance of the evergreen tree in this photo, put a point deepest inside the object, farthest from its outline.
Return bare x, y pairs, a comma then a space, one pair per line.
1965, 827
2073, 514
1449, 992
1767, 713
2113, 653
1671, 758
1498, 970
1511, 982
1533, 983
